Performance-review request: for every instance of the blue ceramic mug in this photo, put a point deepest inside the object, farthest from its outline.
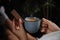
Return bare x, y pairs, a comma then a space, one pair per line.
32, 26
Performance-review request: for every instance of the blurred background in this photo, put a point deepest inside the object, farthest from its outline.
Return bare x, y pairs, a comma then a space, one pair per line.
39, 8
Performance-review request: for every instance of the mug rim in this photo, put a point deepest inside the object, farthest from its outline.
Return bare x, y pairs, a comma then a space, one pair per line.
31, 21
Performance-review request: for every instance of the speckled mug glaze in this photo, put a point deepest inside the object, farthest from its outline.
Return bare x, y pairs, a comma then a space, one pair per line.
32, 26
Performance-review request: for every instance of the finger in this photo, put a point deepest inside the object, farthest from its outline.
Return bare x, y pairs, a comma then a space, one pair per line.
44, 20
8, 31
52, 26
9, 23
44, 30
44, 25
20, 22
15, 24
21, 26
48, 21
11, 36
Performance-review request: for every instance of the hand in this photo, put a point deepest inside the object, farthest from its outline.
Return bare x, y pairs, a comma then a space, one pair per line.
18, 29
10, 35
48, 26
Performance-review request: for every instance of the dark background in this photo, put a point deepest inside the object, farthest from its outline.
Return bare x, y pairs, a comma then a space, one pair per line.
53, 13
18, 5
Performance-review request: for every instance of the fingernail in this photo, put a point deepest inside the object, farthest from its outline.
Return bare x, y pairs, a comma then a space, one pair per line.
20, 20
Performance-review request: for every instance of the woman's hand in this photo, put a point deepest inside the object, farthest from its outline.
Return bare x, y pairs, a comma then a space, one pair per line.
10, 35
48, 26
19, 32
18, 29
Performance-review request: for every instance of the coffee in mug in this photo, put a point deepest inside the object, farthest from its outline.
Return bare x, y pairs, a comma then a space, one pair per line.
32, 24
